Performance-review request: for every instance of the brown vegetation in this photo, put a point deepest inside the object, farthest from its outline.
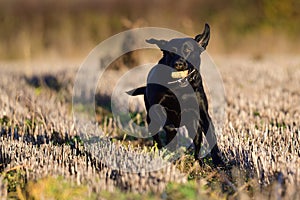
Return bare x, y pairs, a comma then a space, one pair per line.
31, 29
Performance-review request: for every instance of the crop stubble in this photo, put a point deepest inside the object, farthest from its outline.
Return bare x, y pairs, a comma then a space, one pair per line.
260, 133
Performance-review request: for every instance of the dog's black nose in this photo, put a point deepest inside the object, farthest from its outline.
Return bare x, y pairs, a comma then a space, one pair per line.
180, 65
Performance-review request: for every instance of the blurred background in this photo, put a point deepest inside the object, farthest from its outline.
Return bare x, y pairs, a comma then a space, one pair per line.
32, 29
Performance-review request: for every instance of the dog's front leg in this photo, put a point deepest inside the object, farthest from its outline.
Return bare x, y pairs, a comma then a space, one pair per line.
154, 129
157, 140
170, 136
195, 132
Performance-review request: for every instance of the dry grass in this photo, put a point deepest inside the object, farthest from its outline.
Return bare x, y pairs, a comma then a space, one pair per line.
39, 139
262, 130
260, 140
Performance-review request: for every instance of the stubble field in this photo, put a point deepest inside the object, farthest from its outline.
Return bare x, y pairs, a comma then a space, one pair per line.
43, 156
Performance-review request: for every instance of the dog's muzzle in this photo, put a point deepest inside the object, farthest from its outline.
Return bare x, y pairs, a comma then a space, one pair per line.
180, 64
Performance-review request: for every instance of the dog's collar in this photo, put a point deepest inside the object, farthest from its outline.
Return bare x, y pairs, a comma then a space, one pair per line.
183, 82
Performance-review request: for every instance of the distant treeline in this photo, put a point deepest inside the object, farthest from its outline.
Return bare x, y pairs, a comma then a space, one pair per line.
30, 28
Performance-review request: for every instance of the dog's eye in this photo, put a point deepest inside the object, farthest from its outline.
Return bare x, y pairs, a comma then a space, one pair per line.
187, 49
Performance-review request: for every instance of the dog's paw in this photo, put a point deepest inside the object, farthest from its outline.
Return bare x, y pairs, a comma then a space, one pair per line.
218, 162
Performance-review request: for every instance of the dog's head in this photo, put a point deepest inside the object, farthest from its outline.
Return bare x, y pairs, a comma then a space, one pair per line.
183, 54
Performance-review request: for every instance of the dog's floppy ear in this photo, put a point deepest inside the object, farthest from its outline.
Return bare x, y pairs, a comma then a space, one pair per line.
159, 43
203, 38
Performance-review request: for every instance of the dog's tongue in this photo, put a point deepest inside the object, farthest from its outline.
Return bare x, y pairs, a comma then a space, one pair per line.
180, 74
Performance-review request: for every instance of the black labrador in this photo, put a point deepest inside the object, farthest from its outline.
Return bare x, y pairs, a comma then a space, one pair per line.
174, 95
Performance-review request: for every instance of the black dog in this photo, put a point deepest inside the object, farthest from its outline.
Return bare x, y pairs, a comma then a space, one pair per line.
174, 95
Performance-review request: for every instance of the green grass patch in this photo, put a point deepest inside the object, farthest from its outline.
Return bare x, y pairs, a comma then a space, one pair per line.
15, 179
55, 188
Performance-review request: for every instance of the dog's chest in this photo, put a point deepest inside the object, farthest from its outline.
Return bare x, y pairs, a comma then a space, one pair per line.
172, 98
162, 89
